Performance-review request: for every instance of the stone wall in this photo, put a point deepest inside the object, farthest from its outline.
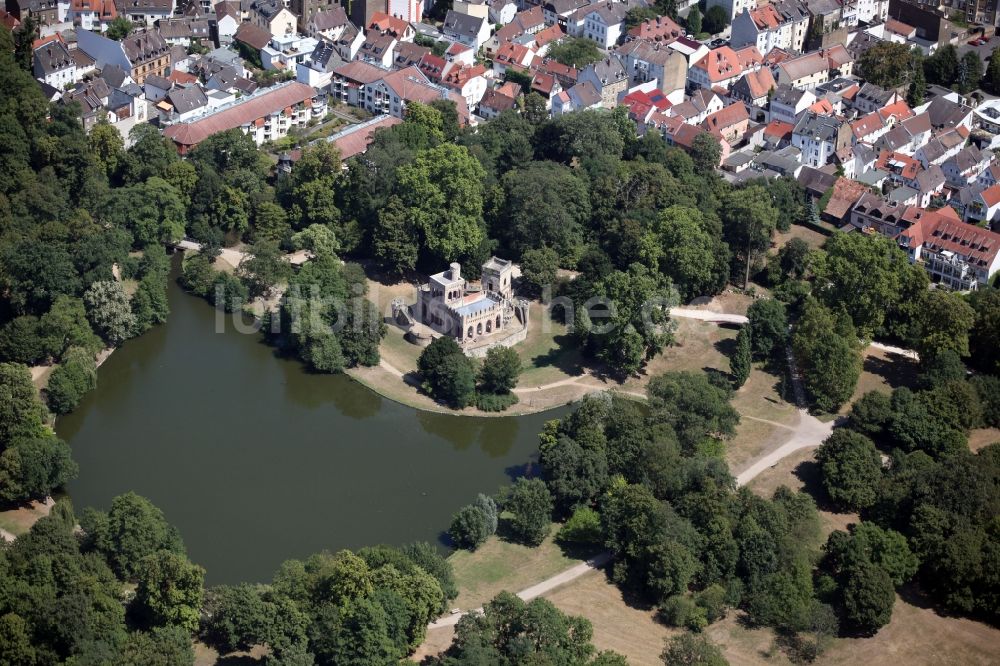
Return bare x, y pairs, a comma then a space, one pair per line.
509, 341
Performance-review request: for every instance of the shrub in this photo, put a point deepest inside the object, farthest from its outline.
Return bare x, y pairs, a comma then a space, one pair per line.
583, 527
492, 402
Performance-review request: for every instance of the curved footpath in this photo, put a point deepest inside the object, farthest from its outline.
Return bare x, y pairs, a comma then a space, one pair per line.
809, 432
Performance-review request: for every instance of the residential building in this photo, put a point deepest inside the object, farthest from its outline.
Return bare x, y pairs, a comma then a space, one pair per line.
661, 29
327, 24
728, 124
956, 255
45, 12
871, 98
348, 81
98, 100
273, 16
965, 167
468, 81
580, 97
754, 88
317, 69
378, 49
472, 31
145, 12
394, 90
609, 77
227, 20
820, 138
92, 14
386, 24
985, 206
304, 10
53, 64
285, 52
721, 67
647, 60
182, 103
604, 23
788, 103
812, 69
268, 115
780, 25
495, 102
702, 103
184, 31
140, 54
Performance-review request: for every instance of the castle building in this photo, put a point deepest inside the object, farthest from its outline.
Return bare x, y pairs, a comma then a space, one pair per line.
447, 304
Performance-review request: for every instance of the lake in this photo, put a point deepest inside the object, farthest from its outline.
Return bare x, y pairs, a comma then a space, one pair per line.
257, 461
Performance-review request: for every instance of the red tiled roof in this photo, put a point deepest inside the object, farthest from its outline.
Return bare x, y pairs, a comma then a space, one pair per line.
846, 193
252, 35
356, 142
940, 232
659, 29
866, 125
899, 110
733, 114
766, 17
822, 107
360, 72
720, 64
991, 195
177, 76
779, 129
388, 24
254, 109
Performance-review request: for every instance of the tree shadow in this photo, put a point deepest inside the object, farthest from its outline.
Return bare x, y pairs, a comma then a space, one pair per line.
561, 357
523, 470
897, 370
725, 346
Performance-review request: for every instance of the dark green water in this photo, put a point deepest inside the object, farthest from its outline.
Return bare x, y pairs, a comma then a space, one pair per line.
257, 461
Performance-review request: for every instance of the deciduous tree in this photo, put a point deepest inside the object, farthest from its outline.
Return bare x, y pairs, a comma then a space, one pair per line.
851, 469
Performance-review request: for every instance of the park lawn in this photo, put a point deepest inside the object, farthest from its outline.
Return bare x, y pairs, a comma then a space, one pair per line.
632, 631
882, 371
981, 437
814, 238
762, 397
697, 345
753, 439
547, 355
19, 521
398, 352
500, 565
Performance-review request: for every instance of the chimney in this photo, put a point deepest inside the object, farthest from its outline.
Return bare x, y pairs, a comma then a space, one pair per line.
456, 271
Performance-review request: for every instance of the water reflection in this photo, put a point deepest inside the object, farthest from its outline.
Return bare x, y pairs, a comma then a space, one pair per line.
257, 461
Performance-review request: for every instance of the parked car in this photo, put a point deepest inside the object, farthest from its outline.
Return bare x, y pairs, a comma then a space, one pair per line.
973, 42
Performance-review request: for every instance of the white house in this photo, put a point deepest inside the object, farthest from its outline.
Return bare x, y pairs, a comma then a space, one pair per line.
781, 25
819, 138
472, 31
227, 20
605, 23
286, 51
53, 64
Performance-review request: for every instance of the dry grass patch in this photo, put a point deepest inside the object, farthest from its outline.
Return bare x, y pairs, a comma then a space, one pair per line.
753, 439
814, 238
18, 521
761, 397
628, 630
917, 635
982, 437
882, 371
500, 565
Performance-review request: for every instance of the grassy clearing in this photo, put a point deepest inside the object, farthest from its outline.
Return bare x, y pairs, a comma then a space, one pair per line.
753, 439
883, 371
983, 437
501, 565
18, 521
546, 356
630, 630
814, 238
